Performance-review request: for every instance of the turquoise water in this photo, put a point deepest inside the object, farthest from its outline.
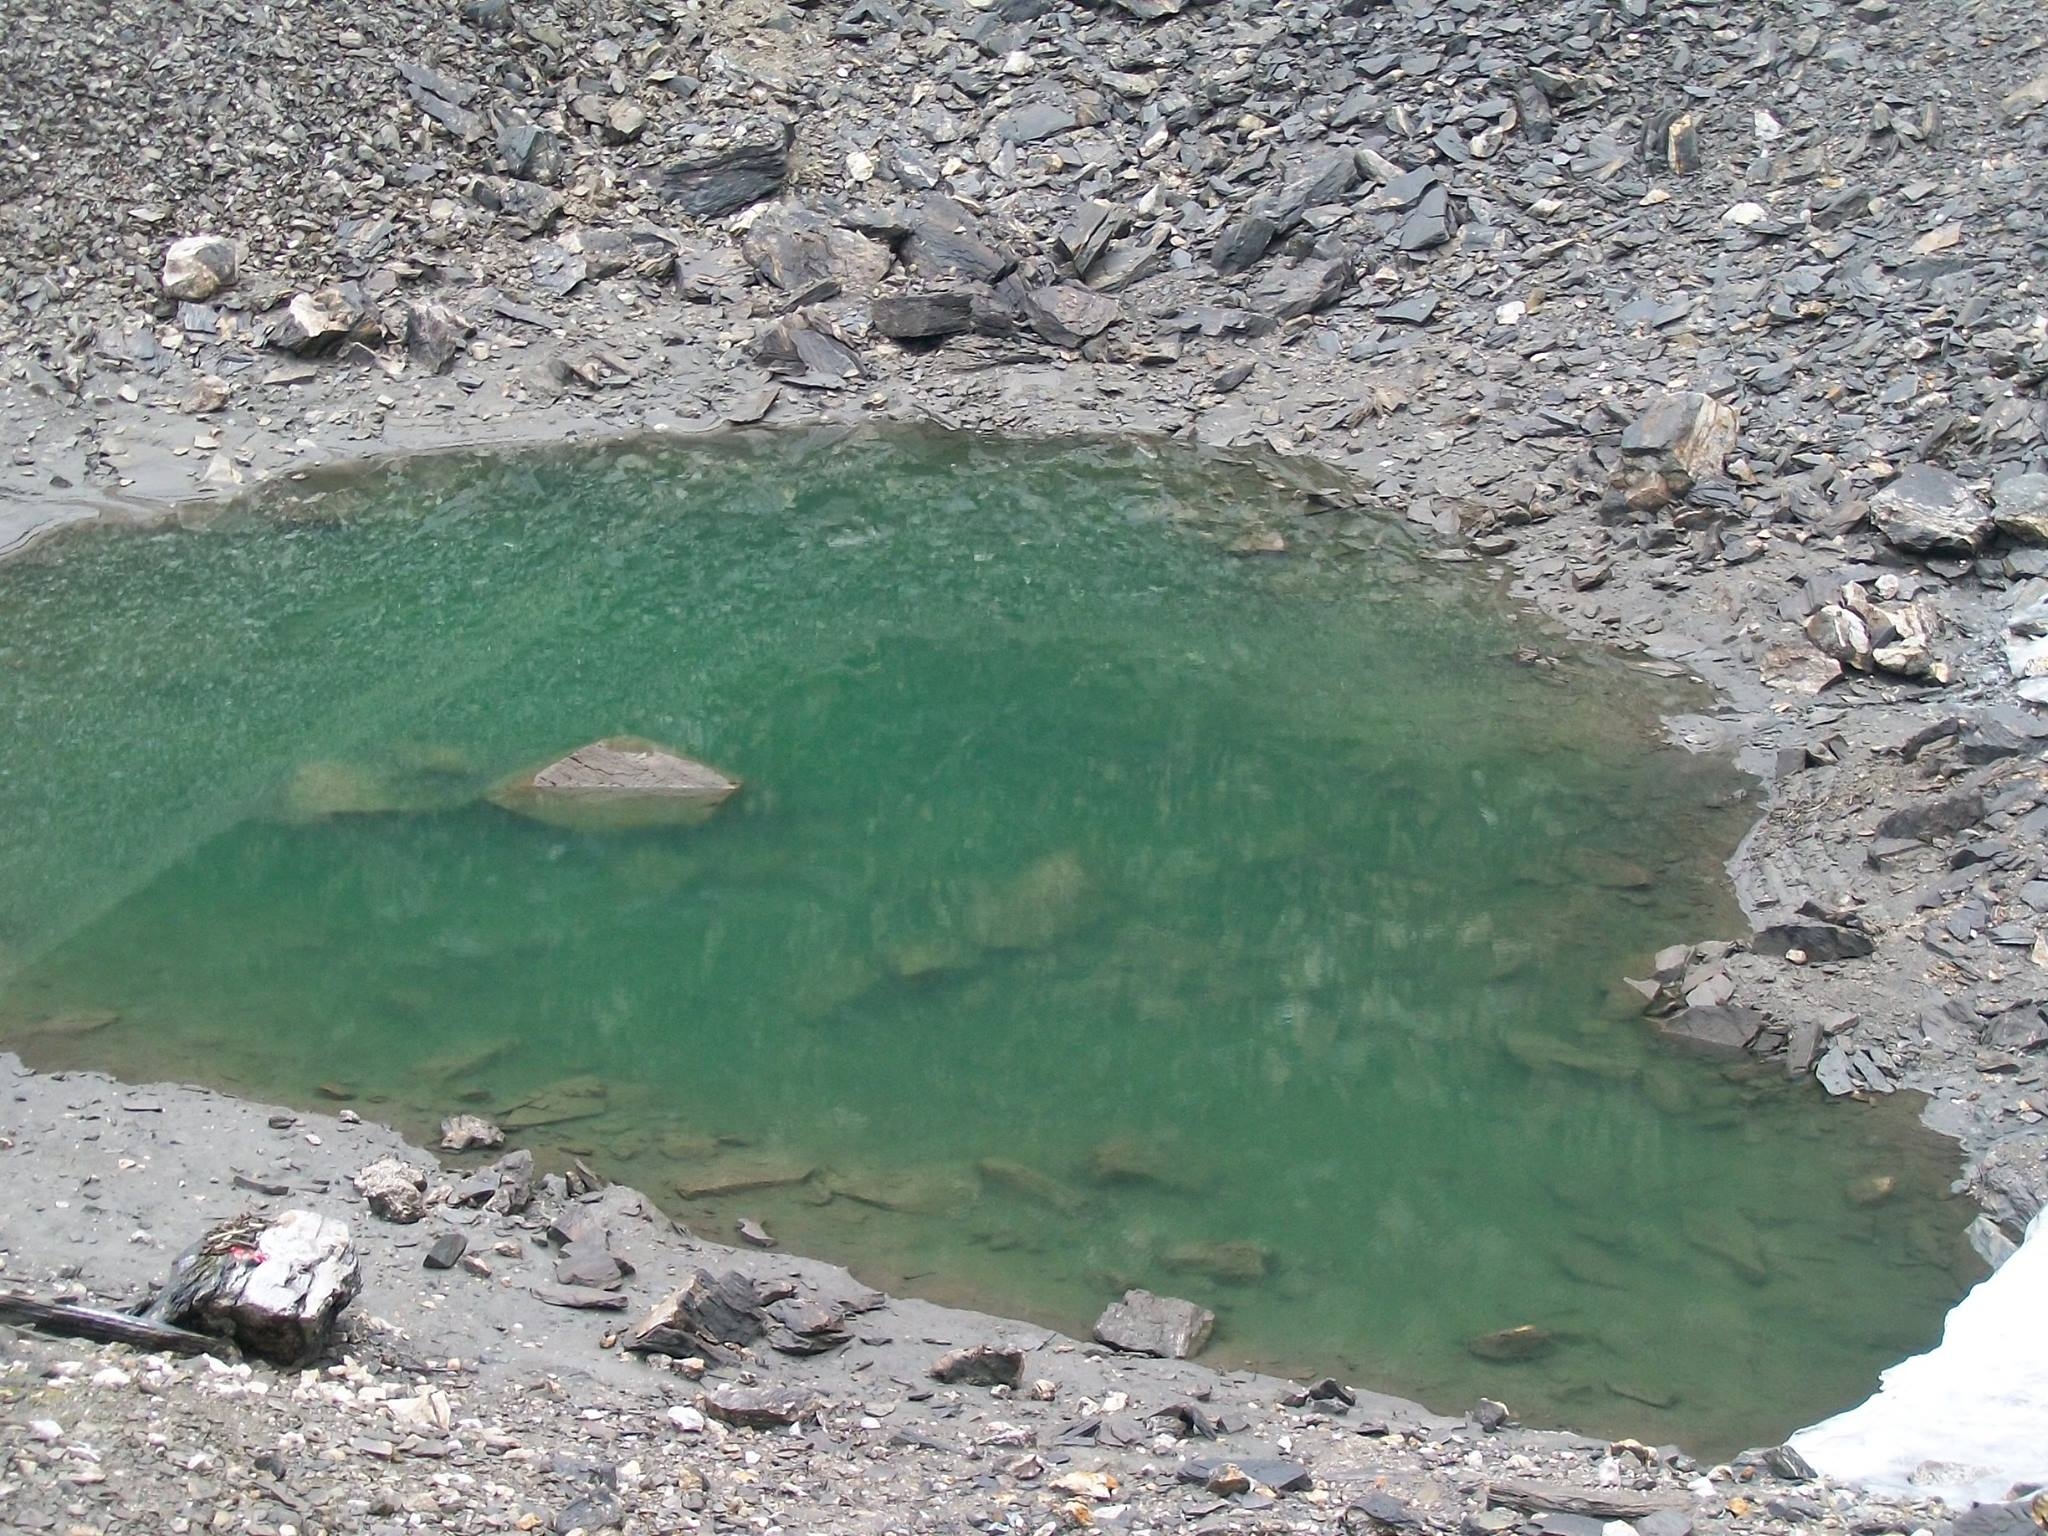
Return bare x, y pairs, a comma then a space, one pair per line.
1105, 905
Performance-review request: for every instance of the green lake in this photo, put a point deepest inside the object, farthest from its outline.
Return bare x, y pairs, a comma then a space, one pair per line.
1113, 899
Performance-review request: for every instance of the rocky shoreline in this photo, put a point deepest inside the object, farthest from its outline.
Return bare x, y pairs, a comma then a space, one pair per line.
1458, 259
478, 1396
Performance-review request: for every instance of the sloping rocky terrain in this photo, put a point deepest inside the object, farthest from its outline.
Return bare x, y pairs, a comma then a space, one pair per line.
1720, 327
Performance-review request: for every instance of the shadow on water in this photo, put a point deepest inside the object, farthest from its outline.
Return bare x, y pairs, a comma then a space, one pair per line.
1107, 905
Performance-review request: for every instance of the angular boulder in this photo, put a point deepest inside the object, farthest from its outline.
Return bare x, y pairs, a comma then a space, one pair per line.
619, 783
198, 267
1680, 440
801, 251
1929, 511
1068, 315
322, 320
1145, 1324
923, 316
393, 1189
722, 172
2020, 508
273, 1284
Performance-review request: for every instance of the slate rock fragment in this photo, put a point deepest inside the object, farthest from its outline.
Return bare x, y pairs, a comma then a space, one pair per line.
759, 1407
1928, 510
1940, 816
2020, 508
1069, 315
923, 316
800, 251
435, 335
320, 321
524, 205
1303, 288
274, 1284
942, 242
1248, 237
807, 349
1719, 1026
722, 172
1818, 941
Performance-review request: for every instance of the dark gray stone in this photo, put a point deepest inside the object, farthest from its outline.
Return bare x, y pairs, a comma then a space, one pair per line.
447, 1251
923, 316
942, 242
1929, 511
1818, 941
723, 172
1067, 314
1721, 1027
434, 336
807, 351
1938, 817
1303, 289
801, 251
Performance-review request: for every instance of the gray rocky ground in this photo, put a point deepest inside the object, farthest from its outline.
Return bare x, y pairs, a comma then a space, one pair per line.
1721, 328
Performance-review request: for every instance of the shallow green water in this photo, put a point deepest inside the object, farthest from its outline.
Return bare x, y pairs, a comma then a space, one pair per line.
1096, 897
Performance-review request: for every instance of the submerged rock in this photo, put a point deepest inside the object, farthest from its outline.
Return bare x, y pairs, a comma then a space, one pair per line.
1239, 1262
1145, 1324
743, 1174
321, 789
1523, 1342
1038, 907
1018, 1179
572, 1098
619, 783
460, 1133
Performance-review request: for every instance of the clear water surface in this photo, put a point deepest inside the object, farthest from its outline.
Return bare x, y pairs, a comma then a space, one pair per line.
1112, 900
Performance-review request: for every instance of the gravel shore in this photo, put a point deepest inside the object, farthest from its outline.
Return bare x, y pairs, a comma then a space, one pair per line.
1461, 257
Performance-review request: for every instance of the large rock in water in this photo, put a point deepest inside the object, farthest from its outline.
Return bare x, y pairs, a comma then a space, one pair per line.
1144, 1324
619, 783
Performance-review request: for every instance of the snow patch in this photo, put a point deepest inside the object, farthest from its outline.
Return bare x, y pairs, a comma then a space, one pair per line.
1968, 1419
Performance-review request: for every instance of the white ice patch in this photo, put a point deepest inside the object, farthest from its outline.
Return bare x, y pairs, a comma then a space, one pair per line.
1969, 1418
